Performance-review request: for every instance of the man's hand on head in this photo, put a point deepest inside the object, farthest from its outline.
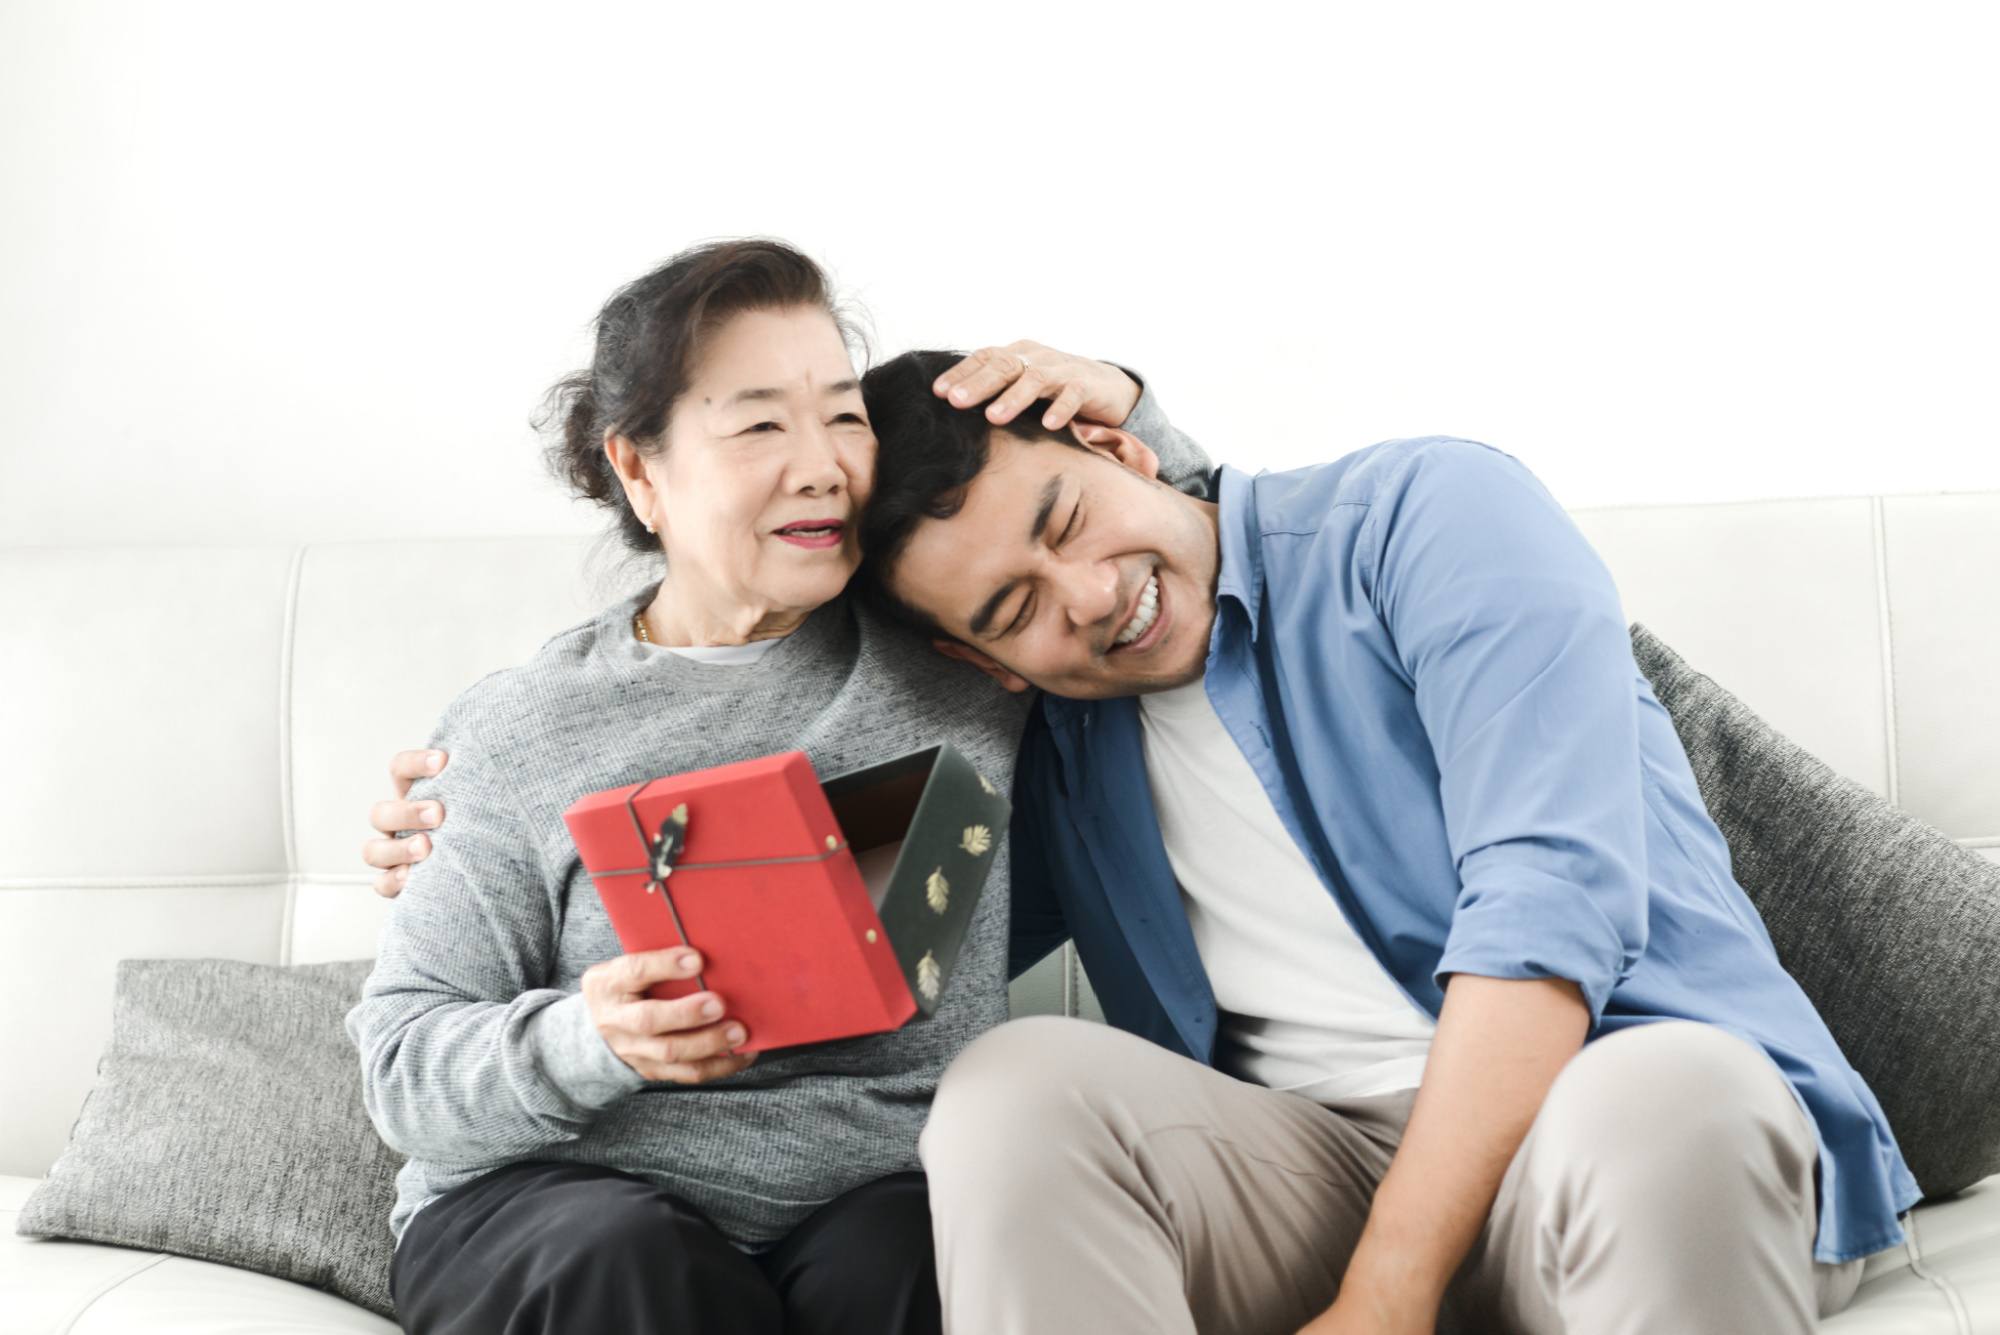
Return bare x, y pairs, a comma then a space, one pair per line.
1025, 371
394, 857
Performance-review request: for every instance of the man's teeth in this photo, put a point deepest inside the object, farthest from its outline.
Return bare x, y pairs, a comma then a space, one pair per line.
1142, 620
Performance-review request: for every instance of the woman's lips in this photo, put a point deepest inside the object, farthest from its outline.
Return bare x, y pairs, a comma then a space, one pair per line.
814, 533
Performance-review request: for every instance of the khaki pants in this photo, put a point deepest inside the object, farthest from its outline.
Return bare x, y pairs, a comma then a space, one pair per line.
1083, 1179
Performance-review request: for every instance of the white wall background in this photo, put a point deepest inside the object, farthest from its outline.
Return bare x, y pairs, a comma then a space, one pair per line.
275, 272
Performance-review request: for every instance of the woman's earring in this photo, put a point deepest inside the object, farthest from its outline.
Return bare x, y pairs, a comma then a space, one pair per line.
649, 528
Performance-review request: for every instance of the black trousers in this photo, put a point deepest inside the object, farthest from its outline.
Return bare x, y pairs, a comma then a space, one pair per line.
559, 1248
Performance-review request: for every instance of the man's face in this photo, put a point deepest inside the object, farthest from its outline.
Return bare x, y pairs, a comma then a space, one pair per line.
1071, 569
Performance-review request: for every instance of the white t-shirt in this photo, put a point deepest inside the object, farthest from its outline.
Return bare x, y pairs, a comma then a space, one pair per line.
1305, 1005
727, 655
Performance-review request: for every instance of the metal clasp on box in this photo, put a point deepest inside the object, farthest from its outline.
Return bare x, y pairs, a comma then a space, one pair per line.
668, 843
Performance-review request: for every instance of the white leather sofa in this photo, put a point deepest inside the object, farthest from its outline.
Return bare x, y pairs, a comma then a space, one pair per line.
243, 702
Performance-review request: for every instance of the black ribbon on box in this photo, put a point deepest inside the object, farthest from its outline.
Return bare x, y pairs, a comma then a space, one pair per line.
668, 842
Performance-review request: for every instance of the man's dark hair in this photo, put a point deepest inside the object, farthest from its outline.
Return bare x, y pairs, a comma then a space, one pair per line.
927, 455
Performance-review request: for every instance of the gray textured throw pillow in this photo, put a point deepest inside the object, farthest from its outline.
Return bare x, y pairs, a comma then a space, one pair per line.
227, 1125
1891, 929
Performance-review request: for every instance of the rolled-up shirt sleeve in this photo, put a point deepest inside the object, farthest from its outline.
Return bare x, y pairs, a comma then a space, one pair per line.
467, 1055
1510, 633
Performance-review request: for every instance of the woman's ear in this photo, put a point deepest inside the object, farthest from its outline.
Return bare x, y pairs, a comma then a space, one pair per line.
965, 653
630, 467
1123, 446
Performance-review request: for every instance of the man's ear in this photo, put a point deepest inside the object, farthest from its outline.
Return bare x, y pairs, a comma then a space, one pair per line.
1123, 446
965, 653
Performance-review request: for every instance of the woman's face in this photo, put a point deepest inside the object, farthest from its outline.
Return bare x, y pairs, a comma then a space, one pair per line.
768, 461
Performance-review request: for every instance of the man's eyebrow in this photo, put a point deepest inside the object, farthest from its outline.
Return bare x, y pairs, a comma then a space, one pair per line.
984, 616
1051, 492
1049, 495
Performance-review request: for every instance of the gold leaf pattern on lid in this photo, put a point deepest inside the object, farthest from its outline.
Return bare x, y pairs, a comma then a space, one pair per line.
929, 976
937, 891
976, 839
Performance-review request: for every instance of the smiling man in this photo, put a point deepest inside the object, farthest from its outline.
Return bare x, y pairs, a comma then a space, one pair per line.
1431, 994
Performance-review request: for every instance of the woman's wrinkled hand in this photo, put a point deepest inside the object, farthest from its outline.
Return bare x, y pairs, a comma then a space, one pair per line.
685, 1040
394, 857
1025, 371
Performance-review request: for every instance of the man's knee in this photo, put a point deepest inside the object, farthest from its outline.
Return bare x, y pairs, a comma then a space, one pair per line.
1017, 1089
1661, 1098
1677, 1069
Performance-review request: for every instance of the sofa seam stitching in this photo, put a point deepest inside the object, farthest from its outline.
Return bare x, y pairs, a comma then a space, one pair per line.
1888, 629
77, 1315
1946, 1289
286, 660
226, 880
196, 881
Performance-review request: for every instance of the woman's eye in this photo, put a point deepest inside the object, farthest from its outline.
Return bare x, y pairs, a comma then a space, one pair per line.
761, 426
851, 417
1020, 617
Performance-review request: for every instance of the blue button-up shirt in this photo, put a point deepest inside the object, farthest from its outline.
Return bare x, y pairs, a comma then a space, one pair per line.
1429, 669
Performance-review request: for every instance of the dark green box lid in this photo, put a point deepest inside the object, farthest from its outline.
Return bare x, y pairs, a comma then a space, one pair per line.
951, 820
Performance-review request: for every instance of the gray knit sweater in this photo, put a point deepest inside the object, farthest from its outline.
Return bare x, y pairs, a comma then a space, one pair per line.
476, 1045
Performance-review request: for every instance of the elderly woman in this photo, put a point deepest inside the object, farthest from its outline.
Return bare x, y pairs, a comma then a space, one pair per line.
582, 1157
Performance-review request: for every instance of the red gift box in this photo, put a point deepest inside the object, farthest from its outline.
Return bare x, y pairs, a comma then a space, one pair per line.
747, 863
